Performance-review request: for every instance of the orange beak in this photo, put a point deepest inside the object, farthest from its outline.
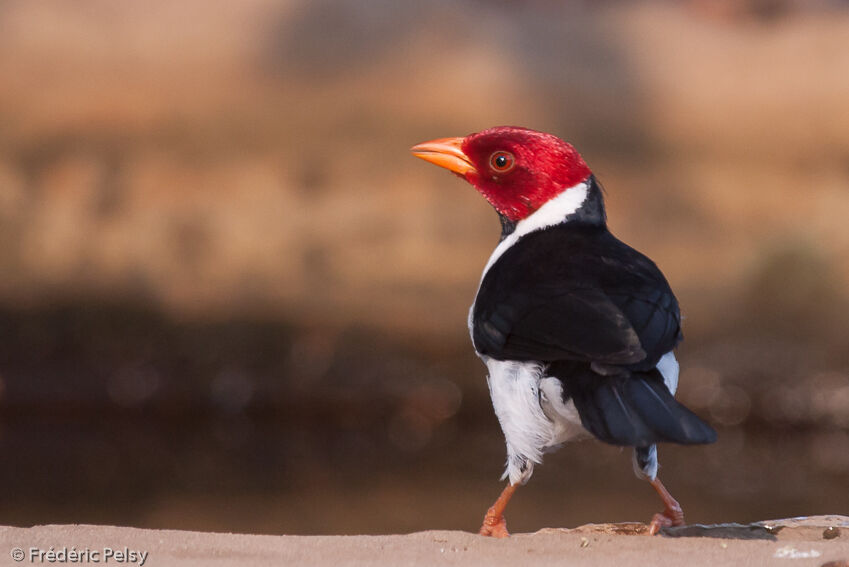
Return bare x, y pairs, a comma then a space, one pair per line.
447, 153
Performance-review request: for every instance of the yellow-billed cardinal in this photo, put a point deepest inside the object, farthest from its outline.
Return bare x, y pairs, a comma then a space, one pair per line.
576, 328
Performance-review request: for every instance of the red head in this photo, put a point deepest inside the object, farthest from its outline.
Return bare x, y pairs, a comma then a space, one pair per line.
516, 169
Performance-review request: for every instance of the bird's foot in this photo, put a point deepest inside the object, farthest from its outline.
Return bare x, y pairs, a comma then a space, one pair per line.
494, 525
672, 516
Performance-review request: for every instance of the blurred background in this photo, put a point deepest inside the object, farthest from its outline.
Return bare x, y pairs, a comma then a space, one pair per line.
231, 300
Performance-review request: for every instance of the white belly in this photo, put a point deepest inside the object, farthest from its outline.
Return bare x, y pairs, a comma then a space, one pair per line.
530, 409
564, 416
532, 413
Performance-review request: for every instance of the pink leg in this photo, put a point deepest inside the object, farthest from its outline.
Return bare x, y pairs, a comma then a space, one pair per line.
494, 524
672, 514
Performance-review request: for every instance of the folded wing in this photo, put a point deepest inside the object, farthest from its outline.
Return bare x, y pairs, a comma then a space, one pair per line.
576, 293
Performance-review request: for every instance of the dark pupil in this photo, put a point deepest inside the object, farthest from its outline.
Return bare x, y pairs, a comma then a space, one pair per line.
501, 161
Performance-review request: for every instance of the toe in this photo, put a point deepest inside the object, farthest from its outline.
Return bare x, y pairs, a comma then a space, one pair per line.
667, 519
659, 521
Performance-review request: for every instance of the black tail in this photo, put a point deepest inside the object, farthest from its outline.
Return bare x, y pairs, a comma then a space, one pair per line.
633, 408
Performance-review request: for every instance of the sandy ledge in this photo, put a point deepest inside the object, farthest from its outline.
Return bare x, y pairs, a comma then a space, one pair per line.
819, 541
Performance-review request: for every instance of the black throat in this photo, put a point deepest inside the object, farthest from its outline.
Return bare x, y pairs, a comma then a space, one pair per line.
591, 210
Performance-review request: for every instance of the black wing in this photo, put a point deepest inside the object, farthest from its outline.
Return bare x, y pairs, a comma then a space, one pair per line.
575, 292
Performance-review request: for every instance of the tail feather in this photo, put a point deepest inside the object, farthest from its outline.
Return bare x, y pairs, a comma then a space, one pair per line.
632, 409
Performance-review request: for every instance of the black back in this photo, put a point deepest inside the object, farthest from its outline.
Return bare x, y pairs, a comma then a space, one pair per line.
575, 292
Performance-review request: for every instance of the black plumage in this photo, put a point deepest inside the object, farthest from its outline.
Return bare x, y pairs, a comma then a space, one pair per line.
573, 291
601, 315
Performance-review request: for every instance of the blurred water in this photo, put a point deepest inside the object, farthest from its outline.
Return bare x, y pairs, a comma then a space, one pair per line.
263, 476
261, 427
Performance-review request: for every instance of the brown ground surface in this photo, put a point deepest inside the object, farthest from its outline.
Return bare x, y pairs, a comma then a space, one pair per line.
819, 540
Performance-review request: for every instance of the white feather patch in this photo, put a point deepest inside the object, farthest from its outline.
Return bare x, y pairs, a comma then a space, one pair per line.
668, 367
564, 416
514, 388
649, 472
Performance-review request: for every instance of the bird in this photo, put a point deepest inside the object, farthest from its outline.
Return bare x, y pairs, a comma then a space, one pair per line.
577, 329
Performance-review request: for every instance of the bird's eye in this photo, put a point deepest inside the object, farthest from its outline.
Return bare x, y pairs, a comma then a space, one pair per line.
502, 162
